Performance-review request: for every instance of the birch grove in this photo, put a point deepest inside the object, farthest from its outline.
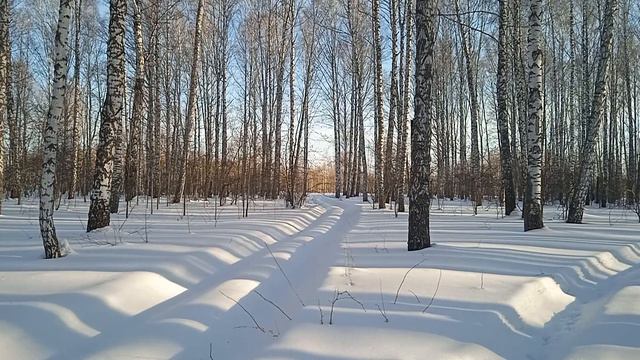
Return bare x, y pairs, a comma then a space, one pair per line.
511, 106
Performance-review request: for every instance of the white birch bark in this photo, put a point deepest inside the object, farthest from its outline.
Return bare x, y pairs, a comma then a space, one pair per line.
388, 174
282, 57
573, 141
4, 29
401, 154
15, 164
335, 100
292, 113
533, 202
379, 110
133, 150
587, 153
191, 105
472, 84
112, 111
50, 140
75, 136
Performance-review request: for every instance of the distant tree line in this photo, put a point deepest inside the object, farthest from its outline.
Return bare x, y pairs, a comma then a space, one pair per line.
498, 102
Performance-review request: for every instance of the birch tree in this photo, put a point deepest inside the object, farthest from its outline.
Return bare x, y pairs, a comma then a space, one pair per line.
388, 175
133, 149
334, 84
379, 111
587, 151
503, 113
292, 111
50, 139
419, 191
14, 184
4, 50
401, 154
632, 165
191, 106
111, 122
533, 202
472, 84
75, 135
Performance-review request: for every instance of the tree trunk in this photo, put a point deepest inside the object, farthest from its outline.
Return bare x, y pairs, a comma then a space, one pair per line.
118, 158
503, 113
533, 203
393, 104
587, 153
223, 96
292, 114
572, 139
133, 150
50, 141
110, 127
335, 101
282, 57
401, 154
191, 106
521, 99
4, 76
476, 195
15, 162
631, 127
379, 111
419, 192
75, 136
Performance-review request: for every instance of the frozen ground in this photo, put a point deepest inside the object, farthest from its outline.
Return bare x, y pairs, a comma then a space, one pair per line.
331, 281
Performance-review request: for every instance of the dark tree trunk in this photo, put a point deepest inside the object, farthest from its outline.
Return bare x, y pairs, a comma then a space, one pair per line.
419, 192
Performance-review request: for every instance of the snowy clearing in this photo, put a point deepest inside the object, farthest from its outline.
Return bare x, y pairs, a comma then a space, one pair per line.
330, 281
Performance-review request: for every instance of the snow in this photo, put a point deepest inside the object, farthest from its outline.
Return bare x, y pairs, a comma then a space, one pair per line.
330, 281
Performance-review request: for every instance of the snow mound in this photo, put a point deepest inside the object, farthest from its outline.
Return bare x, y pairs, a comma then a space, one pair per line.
604, 352
624, 302
537, 301
133, 292
352, 342
65, 248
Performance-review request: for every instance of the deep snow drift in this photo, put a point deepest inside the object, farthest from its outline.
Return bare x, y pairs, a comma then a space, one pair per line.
330, 281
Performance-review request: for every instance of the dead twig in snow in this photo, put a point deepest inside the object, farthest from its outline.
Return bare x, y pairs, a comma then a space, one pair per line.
272, 303
245, 310
283, 273
383, 311
405, 278
341, 295
414, 294
434, 293
321, 314
146, 232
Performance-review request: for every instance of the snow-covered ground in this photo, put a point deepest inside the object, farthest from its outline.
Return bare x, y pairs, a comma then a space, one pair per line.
330, 281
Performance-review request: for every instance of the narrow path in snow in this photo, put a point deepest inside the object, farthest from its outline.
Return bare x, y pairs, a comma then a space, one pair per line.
205, 313
307, 267
568, 328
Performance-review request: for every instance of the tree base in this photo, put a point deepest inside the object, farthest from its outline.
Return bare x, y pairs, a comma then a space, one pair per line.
99, 215
416, 247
